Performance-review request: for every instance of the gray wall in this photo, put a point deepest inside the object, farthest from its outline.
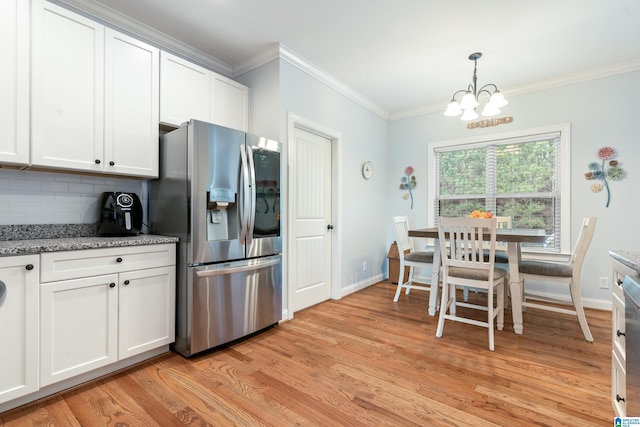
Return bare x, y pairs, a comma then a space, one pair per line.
600, 112
364, 137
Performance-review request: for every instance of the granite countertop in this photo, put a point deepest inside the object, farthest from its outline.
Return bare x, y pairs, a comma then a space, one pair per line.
629, 258
35, 239
36, 246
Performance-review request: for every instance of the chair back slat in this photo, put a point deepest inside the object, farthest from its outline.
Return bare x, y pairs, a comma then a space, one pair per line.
502, 222
404, 242
467, 238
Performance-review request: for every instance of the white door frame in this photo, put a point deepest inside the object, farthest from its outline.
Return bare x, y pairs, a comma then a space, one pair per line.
294, 121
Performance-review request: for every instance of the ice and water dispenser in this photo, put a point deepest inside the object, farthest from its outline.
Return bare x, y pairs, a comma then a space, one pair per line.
222, 220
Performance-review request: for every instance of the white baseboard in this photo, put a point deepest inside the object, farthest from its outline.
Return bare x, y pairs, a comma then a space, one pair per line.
586, 302
362, 284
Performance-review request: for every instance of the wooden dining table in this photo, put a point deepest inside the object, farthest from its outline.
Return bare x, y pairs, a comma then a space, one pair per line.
513, 238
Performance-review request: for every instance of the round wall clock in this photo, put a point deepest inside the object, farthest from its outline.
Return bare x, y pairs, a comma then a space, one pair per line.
367, 170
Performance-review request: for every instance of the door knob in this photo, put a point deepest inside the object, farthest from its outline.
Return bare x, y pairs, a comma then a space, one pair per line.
329, 227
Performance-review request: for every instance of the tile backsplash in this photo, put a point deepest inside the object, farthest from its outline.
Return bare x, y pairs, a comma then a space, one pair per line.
29, 197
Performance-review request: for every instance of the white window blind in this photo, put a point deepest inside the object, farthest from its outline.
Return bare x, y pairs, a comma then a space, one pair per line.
518, 176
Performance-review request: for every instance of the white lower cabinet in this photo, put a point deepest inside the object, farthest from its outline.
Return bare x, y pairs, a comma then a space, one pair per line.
618, 341
90, 322
146, 315
78, 326
18, 326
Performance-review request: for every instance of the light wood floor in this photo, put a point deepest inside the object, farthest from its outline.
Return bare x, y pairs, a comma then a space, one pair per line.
361, 361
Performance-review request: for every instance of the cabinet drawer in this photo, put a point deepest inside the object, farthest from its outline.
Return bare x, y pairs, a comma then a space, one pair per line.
66, 265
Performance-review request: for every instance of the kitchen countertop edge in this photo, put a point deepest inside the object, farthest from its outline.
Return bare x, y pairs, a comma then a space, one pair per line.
629, 258
37, 246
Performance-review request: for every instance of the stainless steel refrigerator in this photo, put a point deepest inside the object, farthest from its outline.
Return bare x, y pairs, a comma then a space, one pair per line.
219, 192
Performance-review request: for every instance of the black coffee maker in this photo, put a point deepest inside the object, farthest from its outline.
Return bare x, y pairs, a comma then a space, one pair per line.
121, 214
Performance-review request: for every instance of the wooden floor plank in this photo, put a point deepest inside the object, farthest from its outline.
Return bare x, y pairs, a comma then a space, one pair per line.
360, 361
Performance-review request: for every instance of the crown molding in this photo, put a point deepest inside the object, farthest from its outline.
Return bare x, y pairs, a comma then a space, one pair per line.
123, 23
306, 66
269, 54
280, 51
608, 71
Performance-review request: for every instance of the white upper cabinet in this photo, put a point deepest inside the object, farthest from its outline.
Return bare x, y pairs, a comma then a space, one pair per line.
67, 90
94, 96
132, 79
14, 82
188, 91
229, 103
184, 91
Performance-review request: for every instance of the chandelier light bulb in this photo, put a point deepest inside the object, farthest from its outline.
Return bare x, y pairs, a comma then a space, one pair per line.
498, 100
453, 109
469, 114
468, 101
490, 110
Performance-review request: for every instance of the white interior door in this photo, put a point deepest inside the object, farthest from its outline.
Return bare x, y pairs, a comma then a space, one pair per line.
312, 229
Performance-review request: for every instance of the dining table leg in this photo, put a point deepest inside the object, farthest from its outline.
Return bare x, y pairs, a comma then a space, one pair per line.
435, 279
513, 251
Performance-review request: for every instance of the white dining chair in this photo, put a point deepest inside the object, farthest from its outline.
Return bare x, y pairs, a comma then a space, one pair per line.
464, 264
502, 222
563, 274
501, 256
411, 259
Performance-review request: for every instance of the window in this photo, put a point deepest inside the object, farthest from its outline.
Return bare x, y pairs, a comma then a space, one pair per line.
523, 175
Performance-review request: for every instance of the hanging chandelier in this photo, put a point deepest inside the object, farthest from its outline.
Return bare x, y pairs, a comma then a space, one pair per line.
469, 101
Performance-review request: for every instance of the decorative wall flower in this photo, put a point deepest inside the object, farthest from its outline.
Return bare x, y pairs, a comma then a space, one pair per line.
408, 182
604, 170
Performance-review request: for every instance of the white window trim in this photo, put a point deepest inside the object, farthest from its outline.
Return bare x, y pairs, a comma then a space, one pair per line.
565, 186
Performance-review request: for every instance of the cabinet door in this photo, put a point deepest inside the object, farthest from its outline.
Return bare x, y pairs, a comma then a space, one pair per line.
19, 308
184, 91
14, 82
67, 89
229, 103
78, 326
132, 73
618, 321
146, 310
618, 385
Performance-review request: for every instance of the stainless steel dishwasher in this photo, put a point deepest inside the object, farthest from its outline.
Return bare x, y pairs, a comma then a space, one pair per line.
632, 338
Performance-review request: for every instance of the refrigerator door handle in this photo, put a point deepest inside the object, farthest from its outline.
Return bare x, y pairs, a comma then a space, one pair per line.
252, 209
250, 267
246, 189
